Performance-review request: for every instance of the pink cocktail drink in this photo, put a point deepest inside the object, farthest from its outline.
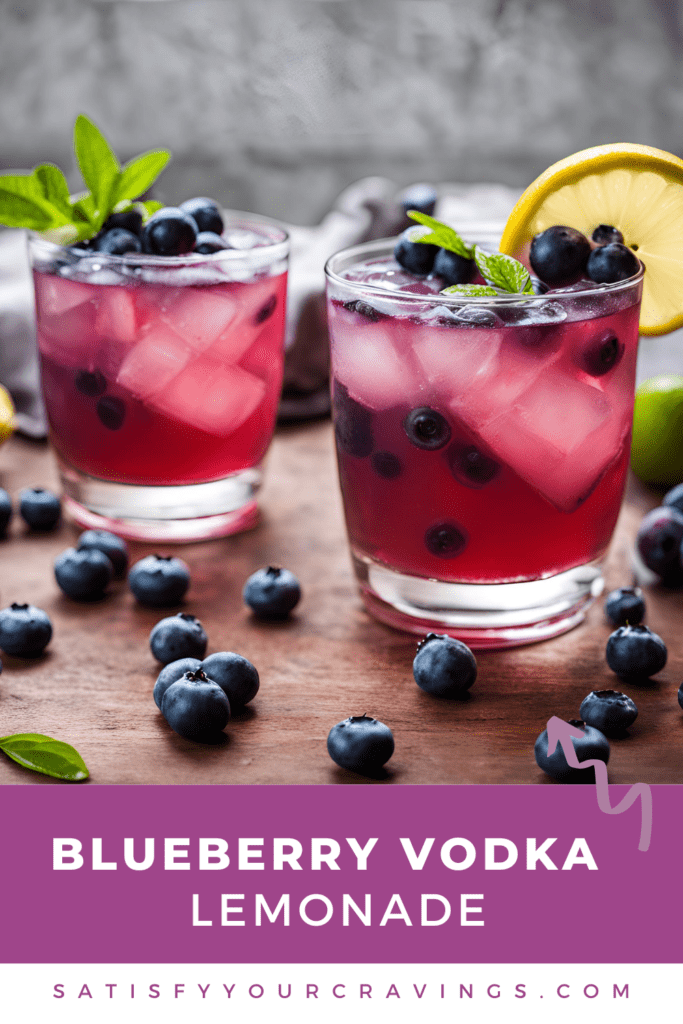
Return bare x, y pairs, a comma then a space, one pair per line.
482, 446
163, 375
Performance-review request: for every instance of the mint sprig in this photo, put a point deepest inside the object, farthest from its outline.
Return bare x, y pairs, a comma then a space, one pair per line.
43, 754
503, 272
442, 235
41, 201
473, 290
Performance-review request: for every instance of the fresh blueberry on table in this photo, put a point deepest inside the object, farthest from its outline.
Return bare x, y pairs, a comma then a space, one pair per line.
272, 593
205, 213
115, 548
235, 675
159, 580
610, 263
415, 257
604, 234
40, 509
5, 511
658, 541
427, 429
635, 652
361, 744
25, 631
591, 746
559, 255
116, 242
171, 673
209, 242
625, 606
609, 711
195, 707
83, 574
169, 232
444, 666
352, 423
454, 269
178, 636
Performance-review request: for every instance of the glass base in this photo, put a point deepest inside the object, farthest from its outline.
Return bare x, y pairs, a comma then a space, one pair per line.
177, 514
484, 616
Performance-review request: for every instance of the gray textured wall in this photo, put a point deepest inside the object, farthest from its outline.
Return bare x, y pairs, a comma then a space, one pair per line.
275, 105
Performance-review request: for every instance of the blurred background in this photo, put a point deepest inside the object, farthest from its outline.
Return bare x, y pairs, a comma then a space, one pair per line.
275, 106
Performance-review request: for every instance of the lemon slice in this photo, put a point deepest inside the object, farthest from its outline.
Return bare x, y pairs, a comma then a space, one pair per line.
6, 414
635, 188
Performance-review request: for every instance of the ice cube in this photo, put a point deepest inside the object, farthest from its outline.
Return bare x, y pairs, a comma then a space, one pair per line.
455, 359
560, 436
368, 361
211, 397
241, 238
248, 302
532, 313
69, 337
55, 295
201, 315
157, 358
477, 316
115, 318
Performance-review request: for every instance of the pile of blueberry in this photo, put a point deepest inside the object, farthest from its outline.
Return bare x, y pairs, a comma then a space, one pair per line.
659, 541
195, 226
40, 509
561, 255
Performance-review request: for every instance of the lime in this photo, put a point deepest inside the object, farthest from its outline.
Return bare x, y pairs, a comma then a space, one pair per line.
657, 446
6, 414
637, 189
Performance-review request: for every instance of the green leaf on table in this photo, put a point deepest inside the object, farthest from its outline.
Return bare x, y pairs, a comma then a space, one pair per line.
137, 175
503, 271
45, 755
474, 290
54, 187
99, 166
23, 204
442, 235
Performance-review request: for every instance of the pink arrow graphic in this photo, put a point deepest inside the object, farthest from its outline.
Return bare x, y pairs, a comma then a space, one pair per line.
562, 732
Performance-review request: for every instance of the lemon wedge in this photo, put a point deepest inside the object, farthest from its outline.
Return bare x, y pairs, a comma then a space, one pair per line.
637, 189
6, 414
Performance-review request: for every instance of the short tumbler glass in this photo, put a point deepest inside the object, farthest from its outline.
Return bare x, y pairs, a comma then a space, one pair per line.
483, 445
161, 378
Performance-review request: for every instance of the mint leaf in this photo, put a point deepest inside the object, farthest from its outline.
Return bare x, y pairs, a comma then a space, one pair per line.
45, 755
442, 235
503, 271
23, 204
470, 289
99, 166
54, 187
138, 174
150, 206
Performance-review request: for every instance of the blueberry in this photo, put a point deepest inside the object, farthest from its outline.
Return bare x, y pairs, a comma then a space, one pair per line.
445, 540
266, 311
39, 508
116, 242
635, 652
236, 676
674, 498
364, 309
443, 666
131, 220
25, 631
559, 255
115, 548
111, 412
625, 606
609, 711
680, 695
386, 465
605, 234
470, 466
205, 213
601, 354
159, 580
361, 744
90, 384
658, 541
420, 197
610, 263
195, 707
272, 593
171, 673
83, 575
169, 232
592, 746
427, 428
353, 424
208, 242
178, 636
415, 257
454, 269
5, 511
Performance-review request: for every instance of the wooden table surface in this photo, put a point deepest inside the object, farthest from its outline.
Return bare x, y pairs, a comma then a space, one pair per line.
93, 686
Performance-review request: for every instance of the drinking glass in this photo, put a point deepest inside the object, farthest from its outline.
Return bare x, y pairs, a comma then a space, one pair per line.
482, 443
161, 378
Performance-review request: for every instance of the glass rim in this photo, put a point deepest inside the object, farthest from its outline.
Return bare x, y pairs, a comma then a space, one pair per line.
384, 245
270, 252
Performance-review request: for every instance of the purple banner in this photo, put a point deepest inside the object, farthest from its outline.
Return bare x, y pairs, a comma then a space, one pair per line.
489, 874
